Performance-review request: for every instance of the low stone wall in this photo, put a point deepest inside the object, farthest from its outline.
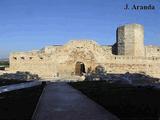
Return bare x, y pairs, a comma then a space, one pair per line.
19, 86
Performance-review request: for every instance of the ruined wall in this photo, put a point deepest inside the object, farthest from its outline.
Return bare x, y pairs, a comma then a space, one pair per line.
107, 49
36, 63
53, 61
56, 61
123, 64
152, 51
130, 40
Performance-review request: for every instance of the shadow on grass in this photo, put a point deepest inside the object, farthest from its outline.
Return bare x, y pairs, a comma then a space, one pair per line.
4, 82
19, 104
125, 101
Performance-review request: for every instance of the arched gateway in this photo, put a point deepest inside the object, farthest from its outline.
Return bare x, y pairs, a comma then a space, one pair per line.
79, 68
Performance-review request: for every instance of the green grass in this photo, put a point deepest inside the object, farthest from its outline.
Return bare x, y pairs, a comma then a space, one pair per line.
125, 101
4, 63
19, 104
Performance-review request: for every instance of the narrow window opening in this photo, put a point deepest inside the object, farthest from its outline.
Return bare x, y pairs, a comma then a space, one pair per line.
22, 58
15, 58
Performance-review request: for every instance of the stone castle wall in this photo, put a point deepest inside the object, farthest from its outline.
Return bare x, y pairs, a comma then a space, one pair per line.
53, 61
152, 51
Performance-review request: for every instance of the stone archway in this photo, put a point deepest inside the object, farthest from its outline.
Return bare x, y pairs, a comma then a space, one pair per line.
79, 68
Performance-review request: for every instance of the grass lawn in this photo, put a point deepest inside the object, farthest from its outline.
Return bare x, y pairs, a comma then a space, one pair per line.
19, 104
125, 101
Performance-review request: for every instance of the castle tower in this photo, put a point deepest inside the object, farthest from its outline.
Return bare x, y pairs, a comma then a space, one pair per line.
130, 40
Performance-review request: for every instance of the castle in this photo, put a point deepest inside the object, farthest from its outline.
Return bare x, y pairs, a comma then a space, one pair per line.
128, 54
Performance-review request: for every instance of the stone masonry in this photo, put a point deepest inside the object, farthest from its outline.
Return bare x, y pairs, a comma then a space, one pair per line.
128, 54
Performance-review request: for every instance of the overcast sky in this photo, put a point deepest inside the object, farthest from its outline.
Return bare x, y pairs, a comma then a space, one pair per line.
33, 24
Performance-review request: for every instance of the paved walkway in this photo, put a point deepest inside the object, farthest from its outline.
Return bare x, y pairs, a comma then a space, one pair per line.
60, 101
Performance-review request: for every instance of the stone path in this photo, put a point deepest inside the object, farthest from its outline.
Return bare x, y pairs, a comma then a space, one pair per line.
60, 101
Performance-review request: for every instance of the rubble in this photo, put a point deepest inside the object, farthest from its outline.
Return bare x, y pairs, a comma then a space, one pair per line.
98, 74
20, 76
127, 78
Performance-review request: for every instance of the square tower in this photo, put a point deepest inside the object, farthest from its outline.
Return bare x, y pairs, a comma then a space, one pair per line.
130, 40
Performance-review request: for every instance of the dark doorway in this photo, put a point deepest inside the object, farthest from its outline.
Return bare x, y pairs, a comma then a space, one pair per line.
79, 68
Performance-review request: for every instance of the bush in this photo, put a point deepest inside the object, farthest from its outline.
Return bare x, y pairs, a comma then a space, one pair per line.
4, 63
